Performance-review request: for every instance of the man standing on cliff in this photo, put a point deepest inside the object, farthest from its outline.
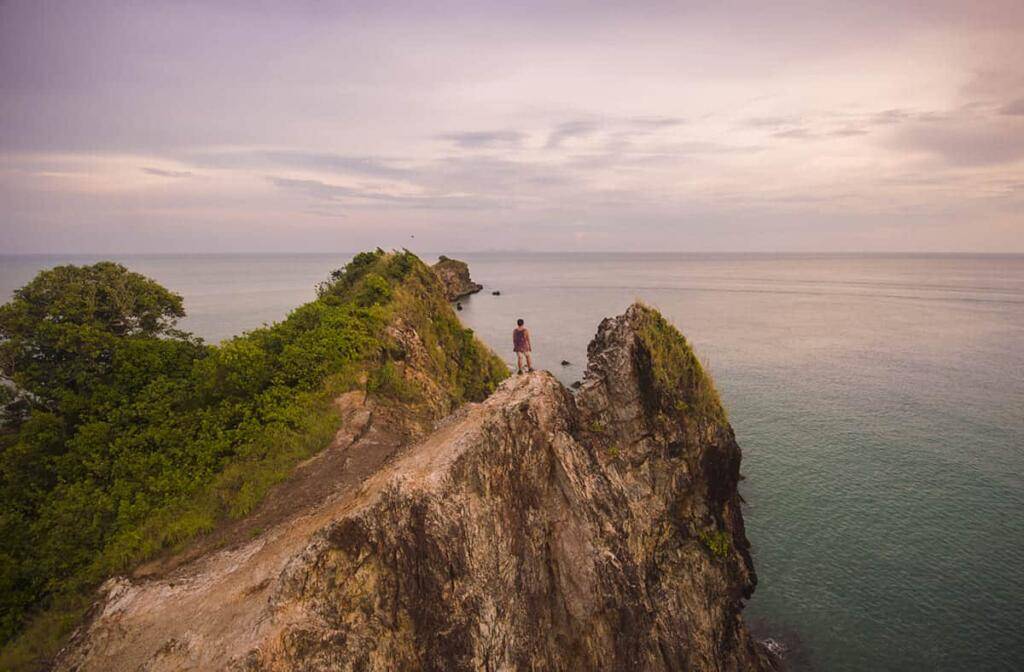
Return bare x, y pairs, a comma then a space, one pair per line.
521, 345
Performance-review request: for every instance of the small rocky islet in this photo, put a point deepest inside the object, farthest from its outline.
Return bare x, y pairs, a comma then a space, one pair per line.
454, 276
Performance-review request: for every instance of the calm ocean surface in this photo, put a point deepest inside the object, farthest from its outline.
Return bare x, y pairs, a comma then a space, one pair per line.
879, 401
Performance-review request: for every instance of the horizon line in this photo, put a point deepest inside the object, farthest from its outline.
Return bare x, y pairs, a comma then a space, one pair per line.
525, 251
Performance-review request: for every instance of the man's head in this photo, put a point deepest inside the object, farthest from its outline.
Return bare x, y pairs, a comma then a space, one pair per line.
519, 321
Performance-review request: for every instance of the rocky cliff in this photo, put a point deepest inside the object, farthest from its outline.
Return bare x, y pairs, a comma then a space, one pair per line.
454, 275
538, 530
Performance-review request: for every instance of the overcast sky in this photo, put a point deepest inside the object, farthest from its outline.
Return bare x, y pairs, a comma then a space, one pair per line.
332, 126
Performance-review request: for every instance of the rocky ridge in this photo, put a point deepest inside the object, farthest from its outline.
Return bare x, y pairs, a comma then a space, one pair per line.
537, 530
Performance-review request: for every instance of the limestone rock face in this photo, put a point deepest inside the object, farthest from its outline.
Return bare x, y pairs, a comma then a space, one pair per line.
454, 275
538, 530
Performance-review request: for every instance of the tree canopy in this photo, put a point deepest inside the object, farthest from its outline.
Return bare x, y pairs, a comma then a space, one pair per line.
59, 333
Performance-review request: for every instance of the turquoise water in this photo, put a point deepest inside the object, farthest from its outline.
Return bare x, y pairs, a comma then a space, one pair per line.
879, 401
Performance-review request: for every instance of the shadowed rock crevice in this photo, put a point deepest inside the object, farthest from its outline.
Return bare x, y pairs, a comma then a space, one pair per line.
537, 530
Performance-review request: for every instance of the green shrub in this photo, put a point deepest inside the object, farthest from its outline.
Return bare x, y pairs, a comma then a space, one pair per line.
718, 542
375, 290
343, 279
387, 381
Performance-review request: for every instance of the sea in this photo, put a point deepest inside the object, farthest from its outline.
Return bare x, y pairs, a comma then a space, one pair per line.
878, 399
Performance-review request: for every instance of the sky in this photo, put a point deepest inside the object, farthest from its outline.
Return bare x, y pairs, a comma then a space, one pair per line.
302, 126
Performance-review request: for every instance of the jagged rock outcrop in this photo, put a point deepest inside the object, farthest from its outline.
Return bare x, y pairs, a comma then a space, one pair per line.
538, 530
454, 275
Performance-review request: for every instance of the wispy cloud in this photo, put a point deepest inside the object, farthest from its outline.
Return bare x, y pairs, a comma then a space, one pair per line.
568, 130
485, 139
893, 116
848, 132
966, 142
656, 122
771, 122
794, 134
328, 162
1013, 108
365, 197
160, 172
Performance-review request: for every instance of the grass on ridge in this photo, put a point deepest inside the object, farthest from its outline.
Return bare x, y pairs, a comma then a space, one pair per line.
678, 374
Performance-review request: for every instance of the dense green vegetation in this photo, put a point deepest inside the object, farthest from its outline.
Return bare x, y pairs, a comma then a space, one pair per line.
680, 379
124, 437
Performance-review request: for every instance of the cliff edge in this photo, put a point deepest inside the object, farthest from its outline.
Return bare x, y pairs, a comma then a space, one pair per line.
537, 530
